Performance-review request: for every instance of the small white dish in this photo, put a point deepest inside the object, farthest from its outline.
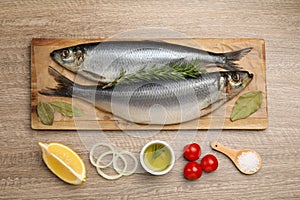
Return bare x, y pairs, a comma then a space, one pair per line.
165, 158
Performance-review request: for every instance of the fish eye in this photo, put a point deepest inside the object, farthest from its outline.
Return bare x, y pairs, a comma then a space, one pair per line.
65, 53
235, 77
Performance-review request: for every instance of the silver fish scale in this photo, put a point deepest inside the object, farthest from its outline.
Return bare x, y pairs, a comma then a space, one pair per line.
166, 101
169, 94
108, 58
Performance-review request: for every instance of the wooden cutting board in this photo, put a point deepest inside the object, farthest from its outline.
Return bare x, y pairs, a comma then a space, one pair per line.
94, 119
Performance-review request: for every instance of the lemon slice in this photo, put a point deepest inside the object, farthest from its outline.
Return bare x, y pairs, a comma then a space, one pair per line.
64, 162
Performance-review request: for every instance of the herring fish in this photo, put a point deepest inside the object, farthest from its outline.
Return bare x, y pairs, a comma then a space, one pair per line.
158, 101
102, 62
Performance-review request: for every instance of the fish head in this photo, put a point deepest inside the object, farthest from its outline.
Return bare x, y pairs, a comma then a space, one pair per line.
70, 57
233, 82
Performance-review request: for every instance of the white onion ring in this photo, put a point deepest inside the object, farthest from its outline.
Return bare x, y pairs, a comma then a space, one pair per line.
106, 176
120, 155
113, 162
112, 150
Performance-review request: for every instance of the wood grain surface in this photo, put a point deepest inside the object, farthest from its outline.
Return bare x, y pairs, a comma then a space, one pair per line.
23, 174
95, 119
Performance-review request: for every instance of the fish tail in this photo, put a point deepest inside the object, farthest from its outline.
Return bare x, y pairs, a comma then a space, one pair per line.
64, 87
233, 56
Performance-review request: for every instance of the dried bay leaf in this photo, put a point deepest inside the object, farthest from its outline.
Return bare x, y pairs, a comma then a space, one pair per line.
246, 105
66, 109
45, 113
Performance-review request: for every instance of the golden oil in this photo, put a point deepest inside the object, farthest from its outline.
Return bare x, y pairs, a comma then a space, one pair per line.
157, 157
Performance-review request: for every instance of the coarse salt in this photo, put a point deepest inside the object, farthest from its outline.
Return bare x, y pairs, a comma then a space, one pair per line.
248, 161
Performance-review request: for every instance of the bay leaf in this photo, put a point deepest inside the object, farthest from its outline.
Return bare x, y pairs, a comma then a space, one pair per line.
246, 105
45, 113
66, 109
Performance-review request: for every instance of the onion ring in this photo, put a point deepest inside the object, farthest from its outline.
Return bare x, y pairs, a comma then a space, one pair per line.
115, 156
92, 153
106, 176
120, 155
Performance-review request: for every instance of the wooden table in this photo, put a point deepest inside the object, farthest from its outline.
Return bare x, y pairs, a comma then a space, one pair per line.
23, 174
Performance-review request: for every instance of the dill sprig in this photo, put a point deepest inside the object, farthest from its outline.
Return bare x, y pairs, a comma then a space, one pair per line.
173, 71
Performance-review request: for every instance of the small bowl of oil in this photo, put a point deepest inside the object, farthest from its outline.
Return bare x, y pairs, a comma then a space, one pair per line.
157, 157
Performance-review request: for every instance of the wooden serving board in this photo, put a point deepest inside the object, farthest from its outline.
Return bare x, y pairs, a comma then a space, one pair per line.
94, 119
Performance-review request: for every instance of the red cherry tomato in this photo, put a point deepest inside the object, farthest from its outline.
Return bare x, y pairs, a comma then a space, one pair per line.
192, 170
192, 151
209, 163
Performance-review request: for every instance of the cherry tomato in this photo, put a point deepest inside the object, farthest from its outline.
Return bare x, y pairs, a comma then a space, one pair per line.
192, 170
209, 163
192, 151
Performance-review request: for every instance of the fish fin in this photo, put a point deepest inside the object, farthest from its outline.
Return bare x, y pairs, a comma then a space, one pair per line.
176, 61
64, 87
92, 76
161, 41
233, 56
212, 107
